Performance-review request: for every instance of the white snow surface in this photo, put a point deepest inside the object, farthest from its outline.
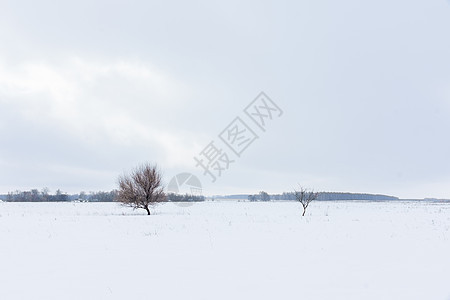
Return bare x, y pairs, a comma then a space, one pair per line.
226, 250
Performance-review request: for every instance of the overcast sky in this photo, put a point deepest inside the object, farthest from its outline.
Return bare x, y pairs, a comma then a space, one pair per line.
90, 89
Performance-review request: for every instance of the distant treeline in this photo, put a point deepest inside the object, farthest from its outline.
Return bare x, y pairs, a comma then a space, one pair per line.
330, 196
327, 196
184, 198
44, 195
323, 196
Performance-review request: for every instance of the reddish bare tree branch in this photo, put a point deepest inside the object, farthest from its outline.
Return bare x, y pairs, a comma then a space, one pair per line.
305, 197
141, 188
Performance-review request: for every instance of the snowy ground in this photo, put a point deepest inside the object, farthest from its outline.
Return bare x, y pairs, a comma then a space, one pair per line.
225, 250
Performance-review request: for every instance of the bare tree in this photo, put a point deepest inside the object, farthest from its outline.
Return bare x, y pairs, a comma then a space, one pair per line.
141, 188
305, 197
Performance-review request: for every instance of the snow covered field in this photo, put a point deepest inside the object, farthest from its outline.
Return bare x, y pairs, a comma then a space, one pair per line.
225, 250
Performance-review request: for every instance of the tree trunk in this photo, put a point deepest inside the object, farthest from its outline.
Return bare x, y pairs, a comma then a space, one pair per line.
148, 211
304, 210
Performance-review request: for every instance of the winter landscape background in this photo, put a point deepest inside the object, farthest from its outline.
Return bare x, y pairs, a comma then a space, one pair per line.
237, 103
226, 250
